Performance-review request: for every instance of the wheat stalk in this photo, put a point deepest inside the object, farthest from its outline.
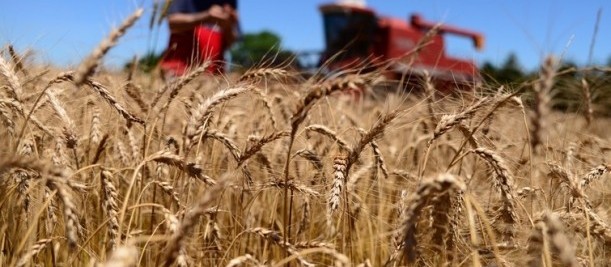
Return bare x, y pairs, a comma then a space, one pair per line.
133, 144
7, 119
305, 216
587, 100
300, 114
568, 180
16, 105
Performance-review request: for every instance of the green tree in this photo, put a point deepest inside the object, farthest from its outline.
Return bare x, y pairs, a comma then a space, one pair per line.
146, 63
509, 72
262, 48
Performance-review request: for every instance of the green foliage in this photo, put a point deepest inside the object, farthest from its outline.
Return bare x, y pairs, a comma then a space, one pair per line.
509, 72
146, 63
260, 49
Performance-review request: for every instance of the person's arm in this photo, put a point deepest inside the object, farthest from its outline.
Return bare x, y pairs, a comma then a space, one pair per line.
231, 30
180, 22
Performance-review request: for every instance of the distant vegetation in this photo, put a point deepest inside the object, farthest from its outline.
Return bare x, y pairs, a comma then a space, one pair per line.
570, 81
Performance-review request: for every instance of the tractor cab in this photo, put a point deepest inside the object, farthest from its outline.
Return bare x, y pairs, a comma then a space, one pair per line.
349, 34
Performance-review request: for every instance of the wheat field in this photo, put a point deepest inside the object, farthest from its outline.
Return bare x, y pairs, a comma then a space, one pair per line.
267, 168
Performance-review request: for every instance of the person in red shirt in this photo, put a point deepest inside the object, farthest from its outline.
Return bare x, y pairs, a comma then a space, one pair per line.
200, 31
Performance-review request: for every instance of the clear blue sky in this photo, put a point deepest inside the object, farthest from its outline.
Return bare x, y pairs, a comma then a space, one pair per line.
65, 31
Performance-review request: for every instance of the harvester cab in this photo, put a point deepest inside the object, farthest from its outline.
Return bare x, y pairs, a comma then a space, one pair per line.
356, 37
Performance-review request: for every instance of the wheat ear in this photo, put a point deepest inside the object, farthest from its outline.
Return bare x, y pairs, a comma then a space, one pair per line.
7, 71
325, 131
379, 160
178, 239
584, 220
316, 162
176, 86
88, 66
95, 134
70, 218
542, 101
169, 189
277, 239
548, 228
339, 181
17, 60
594, 174
504, 183
191, 169
111, 208
425, 192
369, 136
34, 250
258, 145
237, 261
105, 94
201, 113
447, 122
133, 92
254, 74
268, 107
123, 256
69, 130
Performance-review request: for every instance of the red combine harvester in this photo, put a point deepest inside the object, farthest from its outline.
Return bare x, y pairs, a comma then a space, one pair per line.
356, 36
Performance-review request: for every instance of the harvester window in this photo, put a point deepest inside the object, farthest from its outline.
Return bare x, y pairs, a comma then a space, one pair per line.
349, 32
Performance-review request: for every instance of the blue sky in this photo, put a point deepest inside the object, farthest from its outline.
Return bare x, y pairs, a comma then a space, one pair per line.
65, 31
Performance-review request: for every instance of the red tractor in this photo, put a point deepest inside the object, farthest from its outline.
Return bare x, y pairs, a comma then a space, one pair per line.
357, 37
